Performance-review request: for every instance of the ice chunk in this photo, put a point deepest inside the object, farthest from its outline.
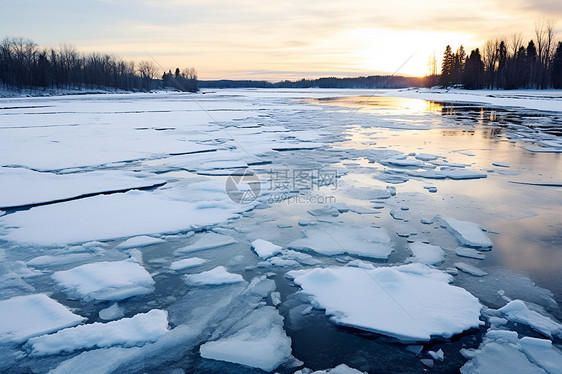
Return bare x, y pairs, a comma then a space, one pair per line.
324, 211
403, 162
275, 298
265, 249
139, 241
517, 311
426, 253
451, 173
26, 316
112, 312
187, 263
371, 242
112, 281
410, 302
213, 277
207, 240
426, 157
258, 341
502, 352
470, 269
128, 332
468, 233
367, 193
500, 164
437, 355
469, 252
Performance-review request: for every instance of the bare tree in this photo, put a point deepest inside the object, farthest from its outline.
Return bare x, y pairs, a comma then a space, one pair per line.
147, 70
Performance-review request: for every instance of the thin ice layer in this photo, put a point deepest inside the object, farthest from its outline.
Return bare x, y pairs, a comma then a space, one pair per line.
26, 316
112, 281
410, 302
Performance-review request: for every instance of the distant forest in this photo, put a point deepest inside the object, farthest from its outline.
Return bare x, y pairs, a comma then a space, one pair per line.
374, 81
24, 65
504, 64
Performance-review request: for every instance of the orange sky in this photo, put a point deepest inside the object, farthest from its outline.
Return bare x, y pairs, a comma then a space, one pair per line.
277, 40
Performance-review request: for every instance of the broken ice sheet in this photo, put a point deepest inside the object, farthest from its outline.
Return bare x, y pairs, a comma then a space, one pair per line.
426, 253
112, 281
502, 352
112, 217
409, 302
214, 277
372, 242
468, 233
26, 316
128, 332
206, 240
259, 340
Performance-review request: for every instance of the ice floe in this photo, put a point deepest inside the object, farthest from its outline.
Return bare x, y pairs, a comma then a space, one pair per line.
207, 240
340, 369
370, 242
409, 302
470, 269
258, 341
19, 186
213, 277
105, 280
502, 352
128, 332
139, 241
470, 253
517, 311
187, 263
31, 315
468, 233
111, 217
265, 249
111, 312
426, 253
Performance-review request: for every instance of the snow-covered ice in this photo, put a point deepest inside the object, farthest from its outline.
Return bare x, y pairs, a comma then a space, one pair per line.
105, 280
470, 269
187, 263
258, 341
470, 253
31, 315
111, 217
213, 277
468, 233
426, 253
409, 302
127, 332
503, 352
517, 311
366, 242
139, 241
265, 249
19, 186
111, 312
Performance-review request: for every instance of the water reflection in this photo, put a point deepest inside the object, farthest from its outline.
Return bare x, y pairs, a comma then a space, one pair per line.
526, 217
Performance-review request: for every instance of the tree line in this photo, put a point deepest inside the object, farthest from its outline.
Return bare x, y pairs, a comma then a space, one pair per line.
24, 65
504, 64
367, 82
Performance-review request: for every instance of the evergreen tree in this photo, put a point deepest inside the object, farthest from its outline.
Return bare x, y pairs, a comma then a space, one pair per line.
473, 71
447, 66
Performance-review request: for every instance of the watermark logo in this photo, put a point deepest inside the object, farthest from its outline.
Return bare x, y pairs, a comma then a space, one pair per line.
243, 187
285, 185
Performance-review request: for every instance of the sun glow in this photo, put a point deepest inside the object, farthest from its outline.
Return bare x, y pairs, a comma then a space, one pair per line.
404, 52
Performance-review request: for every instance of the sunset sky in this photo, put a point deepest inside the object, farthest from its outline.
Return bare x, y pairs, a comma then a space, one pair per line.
275, 40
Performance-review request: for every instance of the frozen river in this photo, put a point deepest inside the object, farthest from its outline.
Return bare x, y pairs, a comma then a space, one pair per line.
280, 230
